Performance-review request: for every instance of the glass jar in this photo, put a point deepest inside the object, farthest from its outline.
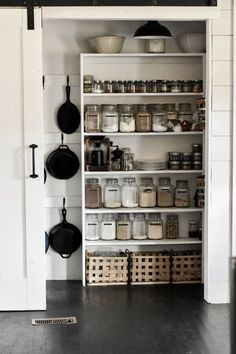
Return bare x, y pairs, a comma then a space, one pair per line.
93, 193
143, 119
155, 227
193, 229
108, 227
129, 193
187, 156
172, 119
186, 86
112, 194
165, 86
126, 118
159, 118
197, 86
174, 156
88, 83
97, 87
174, 165
185, 116
147, 193
175, 86
107, 86
165, 193
123, 227
196, 148
115, 86
131, 87
121, 86
139, 227
127, 160
182, 195
155, 86
92, 230
197, 165
109, 118
172, 226
93, 117
186, 165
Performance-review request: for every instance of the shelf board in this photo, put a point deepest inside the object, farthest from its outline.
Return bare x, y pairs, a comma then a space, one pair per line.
141, 55
142, 210
141, 172
160, 94
180, 241
146, 134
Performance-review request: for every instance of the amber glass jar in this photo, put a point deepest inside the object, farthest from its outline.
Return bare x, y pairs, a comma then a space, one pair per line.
143, 119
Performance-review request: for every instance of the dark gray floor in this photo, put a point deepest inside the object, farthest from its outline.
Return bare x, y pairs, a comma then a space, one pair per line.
120, 320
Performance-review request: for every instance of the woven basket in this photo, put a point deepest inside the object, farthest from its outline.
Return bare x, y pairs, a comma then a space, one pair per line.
106, 270
186, 267
149, 268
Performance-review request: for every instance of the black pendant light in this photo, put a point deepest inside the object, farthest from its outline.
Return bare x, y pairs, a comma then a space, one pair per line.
152, 30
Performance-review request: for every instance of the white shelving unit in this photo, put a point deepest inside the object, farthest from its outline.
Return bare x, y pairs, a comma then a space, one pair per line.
142, 66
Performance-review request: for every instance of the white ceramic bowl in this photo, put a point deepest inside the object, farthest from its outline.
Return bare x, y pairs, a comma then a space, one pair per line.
192, 43
106, 44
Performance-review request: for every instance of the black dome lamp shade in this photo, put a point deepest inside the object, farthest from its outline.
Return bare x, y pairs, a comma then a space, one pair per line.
152, 30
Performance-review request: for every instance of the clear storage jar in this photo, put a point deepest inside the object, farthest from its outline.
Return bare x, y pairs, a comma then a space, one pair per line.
92, 123
139, 227
123, 227
92, 229
155, 227
129, 193
147, 193
112, 194
97, 87
182, 194
88, 83
171, 116
109, 118
165, 193
108, 227
93, 193
143, 119
172, 226
127, 160
159, 118
126, 118
175, 86
185, 116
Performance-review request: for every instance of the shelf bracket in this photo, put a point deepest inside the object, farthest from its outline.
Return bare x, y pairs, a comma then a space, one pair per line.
30, 4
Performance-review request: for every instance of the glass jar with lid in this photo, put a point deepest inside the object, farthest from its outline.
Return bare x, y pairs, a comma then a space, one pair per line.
92, 229
172, 226
126, 118
93, 193
97, 86
175, 86
112, 194
155, 227
88, 83
182, 194
197, 86
164, 86
143, 119
129, 193
159, 118
172, 119
165, 193
109, 118
108, 227
185, 116
127, 160
186, 86
123, 227
139, 227
155, 86
107, 86
147, 193
193, 229
93, 117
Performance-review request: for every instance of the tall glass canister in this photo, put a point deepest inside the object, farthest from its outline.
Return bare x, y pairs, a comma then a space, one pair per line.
129, 193
123, 227
139, 227
112, 194
155, 227
147, 193
92, 229
108, 227
92, 121
93, 193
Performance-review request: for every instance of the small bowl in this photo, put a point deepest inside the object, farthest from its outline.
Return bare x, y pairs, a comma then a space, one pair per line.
106, 44
192, 43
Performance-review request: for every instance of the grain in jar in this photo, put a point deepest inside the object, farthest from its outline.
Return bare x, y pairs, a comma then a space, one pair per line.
172, 226
112, 194
129, 193
155, 227
147, 193
139, 227
108, 227
182, 194
159, 118
143, 119
123, 227
93, 193
126, 118
92, 123
165, 193
92, 229
109, 118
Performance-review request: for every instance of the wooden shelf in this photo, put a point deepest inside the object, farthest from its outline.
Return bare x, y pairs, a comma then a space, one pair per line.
141, 172
160, 94
142, 210
148, 134
180, 241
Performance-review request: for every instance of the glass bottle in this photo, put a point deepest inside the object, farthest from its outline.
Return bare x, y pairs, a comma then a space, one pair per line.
109, 118
92, 122
123, 227
155, 227
165, 193
159, 118
139, 227
129, 193
147, 193
143, 119
92, 230
93, 193
108, 227
112, 195
126, 118
182, 195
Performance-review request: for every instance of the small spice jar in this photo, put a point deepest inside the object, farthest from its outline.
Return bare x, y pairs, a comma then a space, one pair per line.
197, 156
115, 86
197, 86
108, 227
186, 86
196, 148
121, 86
88, 83
126, 118
187, 156
139, 227
155, 86
92, 122
155, 227
147, 193
197, 165
129, 193
123, 227
112, 194
182, 195
193, 229
172, 226
174, 165
107, 86
143, 119
109, 118
93, 193
97, 87
175, 86
92, 229
159, 118
131, 87
174, 156
164, 86
165, 193
186, 165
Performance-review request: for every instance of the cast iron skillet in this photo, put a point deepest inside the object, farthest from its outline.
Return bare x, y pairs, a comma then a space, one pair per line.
65, 238
46, 242
68, 116
62, 163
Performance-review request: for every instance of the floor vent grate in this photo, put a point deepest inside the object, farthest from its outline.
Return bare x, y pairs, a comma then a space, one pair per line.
54, 321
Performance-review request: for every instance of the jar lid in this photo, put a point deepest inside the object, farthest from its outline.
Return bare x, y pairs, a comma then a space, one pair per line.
193, 222
174, 163
111, 180
185, 107
124, 217
92, 108
186, 153
88, 78
186, 163
164, 180
92, 180
170, 107
182, 183
129, 179
155, 216
197, 163
142, 107
174, 153
109, 107
125, 107
147, 180
156, 107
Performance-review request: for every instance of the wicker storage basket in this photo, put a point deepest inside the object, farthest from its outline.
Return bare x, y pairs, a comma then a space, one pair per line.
149, 268
106, 270
186, 267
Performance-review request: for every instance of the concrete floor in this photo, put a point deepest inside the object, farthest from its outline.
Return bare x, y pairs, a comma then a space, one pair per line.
120, 320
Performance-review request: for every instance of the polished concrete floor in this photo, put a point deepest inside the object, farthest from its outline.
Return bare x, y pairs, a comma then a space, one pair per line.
120, 320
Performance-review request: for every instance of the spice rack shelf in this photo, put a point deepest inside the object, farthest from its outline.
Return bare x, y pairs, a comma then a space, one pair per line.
147, 134
179, 241
141, 172
160, 94
142, 210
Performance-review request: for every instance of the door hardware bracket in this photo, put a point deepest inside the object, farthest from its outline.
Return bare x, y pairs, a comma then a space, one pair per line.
30, 4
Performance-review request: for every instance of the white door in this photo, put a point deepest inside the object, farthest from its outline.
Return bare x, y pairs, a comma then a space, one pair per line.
22, 273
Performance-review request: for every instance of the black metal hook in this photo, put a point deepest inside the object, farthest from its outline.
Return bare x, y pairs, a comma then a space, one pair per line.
62, 139
64, 202
67, 80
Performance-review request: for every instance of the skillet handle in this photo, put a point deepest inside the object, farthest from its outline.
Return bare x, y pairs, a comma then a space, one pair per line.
65, 255
33, 174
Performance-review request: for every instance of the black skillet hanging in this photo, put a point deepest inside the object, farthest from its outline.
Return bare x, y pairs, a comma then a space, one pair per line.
68, 115
62, 163
65, 238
